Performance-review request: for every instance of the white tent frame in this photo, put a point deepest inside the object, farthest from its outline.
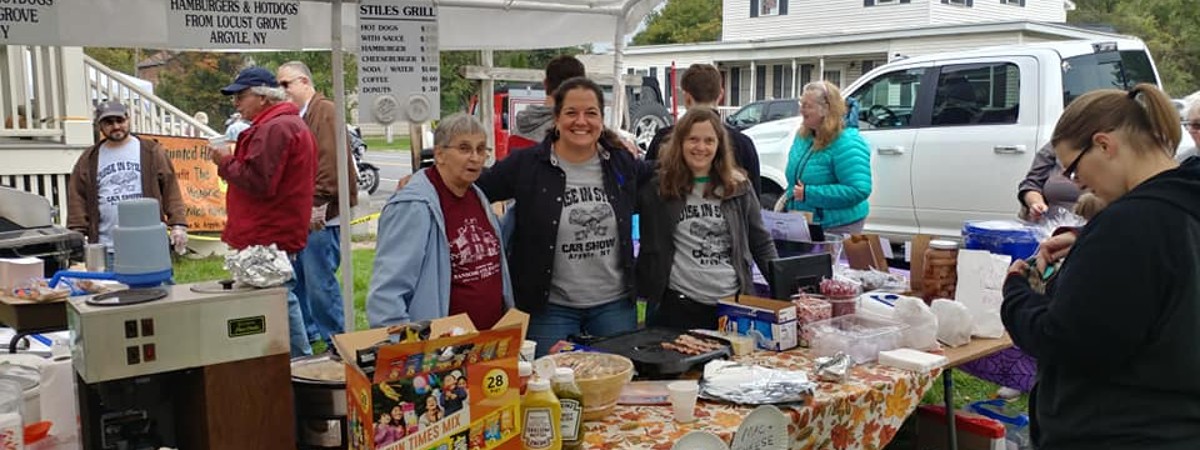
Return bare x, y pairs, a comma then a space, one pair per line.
486, 25
623, 11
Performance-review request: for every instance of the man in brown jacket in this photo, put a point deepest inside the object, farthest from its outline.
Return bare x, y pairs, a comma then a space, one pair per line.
121, 167
316, 266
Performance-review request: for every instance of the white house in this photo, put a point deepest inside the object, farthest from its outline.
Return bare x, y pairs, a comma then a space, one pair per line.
770, 48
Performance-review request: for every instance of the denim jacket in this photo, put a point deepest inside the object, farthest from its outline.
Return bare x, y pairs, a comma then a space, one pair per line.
533, 178
411, 279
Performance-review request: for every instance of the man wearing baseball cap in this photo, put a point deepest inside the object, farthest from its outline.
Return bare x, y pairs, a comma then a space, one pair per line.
121, 167
270, 178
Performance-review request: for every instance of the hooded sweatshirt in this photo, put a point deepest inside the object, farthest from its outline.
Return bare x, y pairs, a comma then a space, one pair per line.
534, 122
1117, 335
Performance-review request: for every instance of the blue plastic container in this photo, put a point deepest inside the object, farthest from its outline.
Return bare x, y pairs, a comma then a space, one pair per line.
1001, 237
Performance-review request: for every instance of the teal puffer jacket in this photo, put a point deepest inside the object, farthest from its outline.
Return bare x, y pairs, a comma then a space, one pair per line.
837, 179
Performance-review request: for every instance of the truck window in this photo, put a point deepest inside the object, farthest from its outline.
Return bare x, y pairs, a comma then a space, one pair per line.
887, 101
782, 109
1086, 73
977, 94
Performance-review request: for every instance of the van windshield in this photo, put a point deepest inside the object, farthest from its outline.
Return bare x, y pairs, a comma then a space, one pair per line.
1105, 70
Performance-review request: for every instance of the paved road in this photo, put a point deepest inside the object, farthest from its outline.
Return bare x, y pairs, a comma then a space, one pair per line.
392, 167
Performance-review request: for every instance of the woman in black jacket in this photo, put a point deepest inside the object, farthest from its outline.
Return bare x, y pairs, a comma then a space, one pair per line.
571, 249
701, 227
1116, 333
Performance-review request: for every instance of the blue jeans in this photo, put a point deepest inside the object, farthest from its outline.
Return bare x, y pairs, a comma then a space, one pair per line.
317, 285
296, 336
556, 322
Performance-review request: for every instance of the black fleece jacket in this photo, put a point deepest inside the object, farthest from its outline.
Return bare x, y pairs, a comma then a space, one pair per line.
1117, 336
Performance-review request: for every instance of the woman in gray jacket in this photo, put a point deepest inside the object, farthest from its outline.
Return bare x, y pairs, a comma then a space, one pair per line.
701, 227
1045, 190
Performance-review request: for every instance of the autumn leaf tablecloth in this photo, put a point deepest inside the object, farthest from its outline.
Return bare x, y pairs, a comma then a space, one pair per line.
864, 413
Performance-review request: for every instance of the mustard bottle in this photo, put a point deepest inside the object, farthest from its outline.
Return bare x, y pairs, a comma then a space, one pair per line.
571, 398
541, 427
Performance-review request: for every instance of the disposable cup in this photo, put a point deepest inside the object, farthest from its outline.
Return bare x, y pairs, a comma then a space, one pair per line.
683, 399
528, 350
218, 142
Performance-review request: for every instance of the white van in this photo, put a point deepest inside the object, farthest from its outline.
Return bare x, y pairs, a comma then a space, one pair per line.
952, 134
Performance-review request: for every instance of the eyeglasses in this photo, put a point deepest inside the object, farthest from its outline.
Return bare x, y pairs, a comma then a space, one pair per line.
1069, 172
1192, 126
109, 121
467, 150
285, 83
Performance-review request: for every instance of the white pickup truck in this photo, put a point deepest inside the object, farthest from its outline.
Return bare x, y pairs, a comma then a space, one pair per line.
952, 134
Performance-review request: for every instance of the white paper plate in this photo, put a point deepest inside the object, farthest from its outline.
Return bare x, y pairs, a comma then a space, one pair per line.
700, 440
766, 428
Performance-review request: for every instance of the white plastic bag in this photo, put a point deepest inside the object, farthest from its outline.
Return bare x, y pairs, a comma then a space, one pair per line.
954, 322
922, 324
980, 288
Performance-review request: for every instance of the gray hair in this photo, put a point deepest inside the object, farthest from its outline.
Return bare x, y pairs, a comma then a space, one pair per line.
455, 125
298, 66
1192, 105
273, 94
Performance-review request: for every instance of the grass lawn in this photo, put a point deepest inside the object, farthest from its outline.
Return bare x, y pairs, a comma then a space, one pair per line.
379, 144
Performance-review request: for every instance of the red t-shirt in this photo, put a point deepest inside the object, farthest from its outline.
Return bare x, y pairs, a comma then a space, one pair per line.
476, 286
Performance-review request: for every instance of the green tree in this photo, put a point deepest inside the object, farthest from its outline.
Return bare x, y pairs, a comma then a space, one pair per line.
194, 80
319, 62
682, 21
1170, 29
119, 59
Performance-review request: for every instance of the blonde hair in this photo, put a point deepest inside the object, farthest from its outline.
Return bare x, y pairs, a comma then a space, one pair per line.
1145, 114
835, 108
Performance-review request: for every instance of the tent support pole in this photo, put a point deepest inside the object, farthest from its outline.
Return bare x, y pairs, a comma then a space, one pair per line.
619, 106
343, 163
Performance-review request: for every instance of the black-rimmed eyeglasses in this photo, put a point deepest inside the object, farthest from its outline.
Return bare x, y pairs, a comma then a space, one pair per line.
1069, 172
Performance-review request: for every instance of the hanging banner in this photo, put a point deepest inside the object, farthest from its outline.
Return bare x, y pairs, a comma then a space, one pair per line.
233, 24
29, 22
203, 191
398, 61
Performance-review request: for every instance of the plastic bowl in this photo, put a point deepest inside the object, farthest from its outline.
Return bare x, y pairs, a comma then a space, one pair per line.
601, 377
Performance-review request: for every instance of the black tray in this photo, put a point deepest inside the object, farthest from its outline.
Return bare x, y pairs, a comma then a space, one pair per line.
651, 360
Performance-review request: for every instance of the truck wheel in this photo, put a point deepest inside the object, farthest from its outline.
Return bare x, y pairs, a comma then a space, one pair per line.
770, 195
646, 118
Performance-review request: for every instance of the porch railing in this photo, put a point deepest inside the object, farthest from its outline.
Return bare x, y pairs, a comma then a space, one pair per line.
148, 113
31, 92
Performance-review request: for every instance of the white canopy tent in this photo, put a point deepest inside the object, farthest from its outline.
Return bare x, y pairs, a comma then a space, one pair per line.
332, 24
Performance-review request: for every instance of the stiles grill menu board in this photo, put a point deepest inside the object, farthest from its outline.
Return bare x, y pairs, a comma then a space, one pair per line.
398, 61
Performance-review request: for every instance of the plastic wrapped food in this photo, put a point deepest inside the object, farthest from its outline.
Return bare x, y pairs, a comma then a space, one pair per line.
259, 266
860, 336
588, 365
753, 385
834, 369
874, 280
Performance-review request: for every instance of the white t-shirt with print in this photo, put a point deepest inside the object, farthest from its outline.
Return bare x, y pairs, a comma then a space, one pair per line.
119, 178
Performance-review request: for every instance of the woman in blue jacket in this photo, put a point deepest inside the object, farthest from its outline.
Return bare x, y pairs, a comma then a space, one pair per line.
829, 165
439, 250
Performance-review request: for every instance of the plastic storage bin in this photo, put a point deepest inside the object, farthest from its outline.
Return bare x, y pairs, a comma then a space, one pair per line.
1016, 423
862, 337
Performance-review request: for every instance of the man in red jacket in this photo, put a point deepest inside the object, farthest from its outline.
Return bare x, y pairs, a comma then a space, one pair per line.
270, 177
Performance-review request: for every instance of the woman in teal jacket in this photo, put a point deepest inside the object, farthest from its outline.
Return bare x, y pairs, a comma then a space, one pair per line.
829, 165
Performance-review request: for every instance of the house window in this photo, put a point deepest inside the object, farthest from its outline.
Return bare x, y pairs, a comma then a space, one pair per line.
967, 3
806, 74
868, 65
1020, 3
885, 2
735, 86
788, 81
777, 81
760, 84
834, 76
768, 8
